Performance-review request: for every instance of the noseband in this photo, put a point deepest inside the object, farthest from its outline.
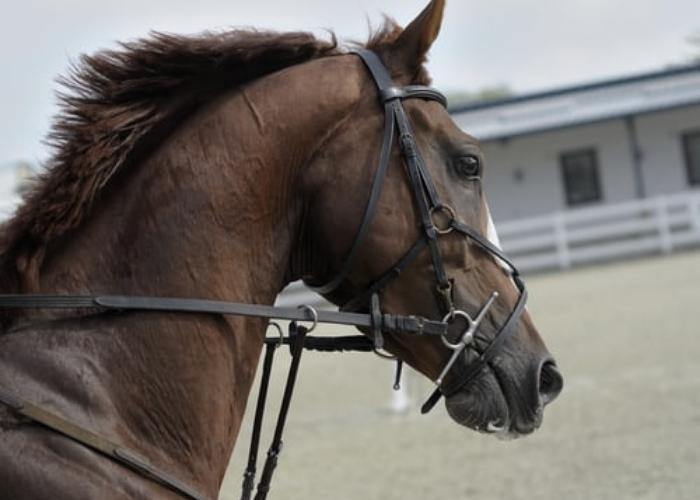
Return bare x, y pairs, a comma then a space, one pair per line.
436, 220
430, 210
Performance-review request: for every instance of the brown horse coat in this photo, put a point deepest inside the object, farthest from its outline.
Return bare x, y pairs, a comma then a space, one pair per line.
214, 167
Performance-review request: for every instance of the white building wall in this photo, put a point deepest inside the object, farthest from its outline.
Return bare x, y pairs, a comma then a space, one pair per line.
537, 157
8, 190
541, 190
660, 138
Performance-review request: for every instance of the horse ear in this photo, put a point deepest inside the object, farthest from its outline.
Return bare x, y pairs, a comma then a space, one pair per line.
411, 47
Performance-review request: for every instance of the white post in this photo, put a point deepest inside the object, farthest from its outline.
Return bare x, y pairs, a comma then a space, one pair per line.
560, 238
694, 209
400, 400
664, 225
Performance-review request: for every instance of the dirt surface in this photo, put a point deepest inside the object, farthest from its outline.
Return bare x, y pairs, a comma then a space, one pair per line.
627, 425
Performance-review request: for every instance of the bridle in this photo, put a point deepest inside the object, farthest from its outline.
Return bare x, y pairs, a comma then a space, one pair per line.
430, 209
436, 220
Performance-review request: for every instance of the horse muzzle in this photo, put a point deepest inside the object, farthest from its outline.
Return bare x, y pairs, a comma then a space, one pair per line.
504, 400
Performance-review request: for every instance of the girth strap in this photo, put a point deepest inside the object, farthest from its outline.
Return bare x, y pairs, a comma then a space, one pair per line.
96, 443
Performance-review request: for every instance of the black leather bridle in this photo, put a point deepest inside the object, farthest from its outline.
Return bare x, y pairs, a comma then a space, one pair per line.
397, 125
436, 220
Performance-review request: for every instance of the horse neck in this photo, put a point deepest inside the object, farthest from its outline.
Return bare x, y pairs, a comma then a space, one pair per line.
213, 212
216, 209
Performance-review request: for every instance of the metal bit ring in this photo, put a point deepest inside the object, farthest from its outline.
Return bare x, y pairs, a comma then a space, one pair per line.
468, 334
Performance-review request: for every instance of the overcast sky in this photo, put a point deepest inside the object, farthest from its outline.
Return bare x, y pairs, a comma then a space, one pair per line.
527, 45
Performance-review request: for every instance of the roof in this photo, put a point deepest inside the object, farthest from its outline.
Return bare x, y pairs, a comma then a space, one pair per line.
581, 104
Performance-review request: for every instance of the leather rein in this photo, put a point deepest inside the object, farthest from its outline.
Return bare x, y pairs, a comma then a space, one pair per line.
363, 311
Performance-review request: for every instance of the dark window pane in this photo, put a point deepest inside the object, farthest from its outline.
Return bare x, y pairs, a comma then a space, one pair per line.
580, 172
691, 148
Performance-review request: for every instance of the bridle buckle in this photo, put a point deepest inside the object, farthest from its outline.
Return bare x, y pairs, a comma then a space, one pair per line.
445, 294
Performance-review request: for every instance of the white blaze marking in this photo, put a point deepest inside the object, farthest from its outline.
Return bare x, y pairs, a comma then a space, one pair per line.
492, 236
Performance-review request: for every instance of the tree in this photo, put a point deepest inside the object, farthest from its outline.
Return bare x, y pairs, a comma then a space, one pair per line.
485, 94
694, 40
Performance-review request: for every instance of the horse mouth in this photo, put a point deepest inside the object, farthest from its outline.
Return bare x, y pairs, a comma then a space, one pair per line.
493, 404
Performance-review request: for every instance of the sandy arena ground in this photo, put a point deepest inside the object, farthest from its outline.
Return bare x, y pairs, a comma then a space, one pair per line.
627, 425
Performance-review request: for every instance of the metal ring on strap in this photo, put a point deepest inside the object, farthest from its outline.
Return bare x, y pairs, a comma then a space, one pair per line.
444, 210
314, 316
384, 354
276, 326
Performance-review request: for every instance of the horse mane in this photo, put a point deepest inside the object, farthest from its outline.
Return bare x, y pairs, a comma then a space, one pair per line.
113, 102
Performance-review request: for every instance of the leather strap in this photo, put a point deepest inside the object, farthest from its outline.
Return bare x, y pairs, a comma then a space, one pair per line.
250, 471
390, 98
96, 443
389, 322
425, 194
370, 209
427, 201
296, 346
460, 380
388, 276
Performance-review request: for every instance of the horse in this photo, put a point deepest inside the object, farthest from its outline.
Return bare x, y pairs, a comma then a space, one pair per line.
226, 165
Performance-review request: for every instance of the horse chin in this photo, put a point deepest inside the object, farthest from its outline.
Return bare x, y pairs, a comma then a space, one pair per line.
483, 406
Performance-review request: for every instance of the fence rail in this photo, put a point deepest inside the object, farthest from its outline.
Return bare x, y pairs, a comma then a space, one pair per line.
7, 208
641, 227
584, 236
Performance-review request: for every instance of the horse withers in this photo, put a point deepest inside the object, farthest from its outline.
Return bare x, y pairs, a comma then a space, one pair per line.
225, 166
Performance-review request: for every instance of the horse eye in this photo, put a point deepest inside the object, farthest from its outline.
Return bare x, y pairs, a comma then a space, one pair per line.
468, 166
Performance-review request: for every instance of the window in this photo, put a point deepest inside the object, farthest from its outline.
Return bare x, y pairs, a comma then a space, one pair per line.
580, 173
691, 151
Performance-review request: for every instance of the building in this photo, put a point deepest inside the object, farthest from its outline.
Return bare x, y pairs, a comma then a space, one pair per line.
579, 174
14, 178
593, 172
590, 145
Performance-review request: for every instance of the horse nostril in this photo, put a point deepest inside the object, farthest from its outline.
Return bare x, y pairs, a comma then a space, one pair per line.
551, 382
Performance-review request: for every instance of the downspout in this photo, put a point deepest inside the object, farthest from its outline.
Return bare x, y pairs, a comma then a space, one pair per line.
637, 157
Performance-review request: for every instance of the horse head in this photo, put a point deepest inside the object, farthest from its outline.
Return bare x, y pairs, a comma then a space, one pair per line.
458, 275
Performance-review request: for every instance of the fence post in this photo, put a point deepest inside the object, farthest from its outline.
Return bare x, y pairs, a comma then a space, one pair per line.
664, 225
694, 209
400, 400
560, 237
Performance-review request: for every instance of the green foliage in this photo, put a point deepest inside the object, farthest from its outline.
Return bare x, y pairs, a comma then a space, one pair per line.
694, 40
486, 94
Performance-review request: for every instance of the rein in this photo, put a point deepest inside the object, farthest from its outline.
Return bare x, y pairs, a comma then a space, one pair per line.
436, 219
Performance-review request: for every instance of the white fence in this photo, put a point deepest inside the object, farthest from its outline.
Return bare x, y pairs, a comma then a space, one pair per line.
7, 207
583, 236
587, 235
